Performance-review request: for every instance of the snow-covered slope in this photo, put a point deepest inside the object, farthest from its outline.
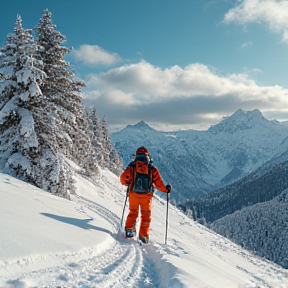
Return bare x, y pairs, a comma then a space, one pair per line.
198, 162
265, 223
47, 241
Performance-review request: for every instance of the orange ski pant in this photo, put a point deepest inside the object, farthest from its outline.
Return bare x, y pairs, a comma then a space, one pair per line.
144, 201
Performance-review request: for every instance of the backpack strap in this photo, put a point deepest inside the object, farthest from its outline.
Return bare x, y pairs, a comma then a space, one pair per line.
150, 168
131, 164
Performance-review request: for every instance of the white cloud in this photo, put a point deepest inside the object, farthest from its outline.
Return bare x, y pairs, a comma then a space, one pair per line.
192, 95
94, 55
272, 12
149, 83
247, 44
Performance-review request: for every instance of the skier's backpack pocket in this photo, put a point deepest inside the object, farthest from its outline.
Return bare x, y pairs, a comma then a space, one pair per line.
142, 174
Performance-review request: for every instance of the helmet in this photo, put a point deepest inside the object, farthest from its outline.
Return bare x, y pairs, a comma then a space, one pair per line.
142, 150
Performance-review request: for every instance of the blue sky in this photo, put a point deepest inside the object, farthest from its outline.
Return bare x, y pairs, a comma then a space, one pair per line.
174, 64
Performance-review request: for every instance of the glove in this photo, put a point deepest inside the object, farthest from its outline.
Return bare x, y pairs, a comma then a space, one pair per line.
168, 187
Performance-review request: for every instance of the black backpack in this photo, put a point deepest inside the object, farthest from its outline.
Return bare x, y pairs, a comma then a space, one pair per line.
142, 174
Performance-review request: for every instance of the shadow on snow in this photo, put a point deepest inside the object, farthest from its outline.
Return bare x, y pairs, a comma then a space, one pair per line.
81, 223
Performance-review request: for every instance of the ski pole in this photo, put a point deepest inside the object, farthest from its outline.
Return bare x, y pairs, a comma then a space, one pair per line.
121, 223
167, 217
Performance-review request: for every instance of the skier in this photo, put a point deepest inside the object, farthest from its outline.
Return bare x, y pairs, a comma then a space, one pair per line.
141, 177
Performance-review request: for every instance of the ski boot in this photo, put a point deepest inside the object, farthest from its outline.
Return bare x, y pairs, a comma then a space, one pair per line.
129, 233
144, 239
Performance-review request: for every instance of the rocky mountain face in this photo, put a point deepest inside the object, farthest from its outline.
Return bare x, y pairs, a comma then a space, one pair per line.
199, 162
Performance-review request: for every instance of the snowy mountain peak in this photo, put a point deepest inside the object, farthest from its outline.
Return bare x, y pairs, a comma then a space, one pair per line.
240, 120
247, 114
140, 125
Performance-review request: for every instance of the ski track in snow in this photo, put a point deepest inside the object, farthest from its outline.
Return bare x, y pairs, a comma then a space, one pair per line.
122, 263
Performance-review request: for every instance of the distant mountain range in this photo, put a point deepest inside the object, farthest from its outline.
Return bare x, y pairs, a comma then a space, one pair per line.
199, 162
263, 185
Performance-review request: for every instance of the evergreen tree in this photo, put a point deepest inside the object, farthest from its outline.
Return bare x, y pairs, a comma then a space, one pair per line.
64, 101
96, 125
8, 83
21, 74
42, 116
107, 155
261, 228
111, 156
97, 140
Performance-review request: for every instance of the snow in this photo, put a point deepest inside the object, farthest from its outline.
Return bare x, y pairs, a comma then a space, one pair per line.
48, 241
24, 75
7, 71
71, 163
6, 110
18, 159
34, 89
27, 127
172, 136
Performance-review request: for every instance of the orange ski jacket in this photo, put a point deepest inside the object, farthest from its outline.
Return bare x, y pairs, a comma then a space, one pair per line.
126, 178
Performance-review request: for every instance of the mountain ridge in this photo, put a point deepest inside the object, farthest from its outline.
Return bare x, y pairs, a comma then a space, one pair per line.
199, 162
264, 184
239, 115
140, 125
240, 119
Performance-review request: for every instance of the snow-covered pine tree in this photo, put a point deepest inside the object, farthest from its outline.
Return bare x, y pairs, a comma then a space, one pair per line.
21, 152
63, 92
97, 141
8, 83
40, 132
111, 156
